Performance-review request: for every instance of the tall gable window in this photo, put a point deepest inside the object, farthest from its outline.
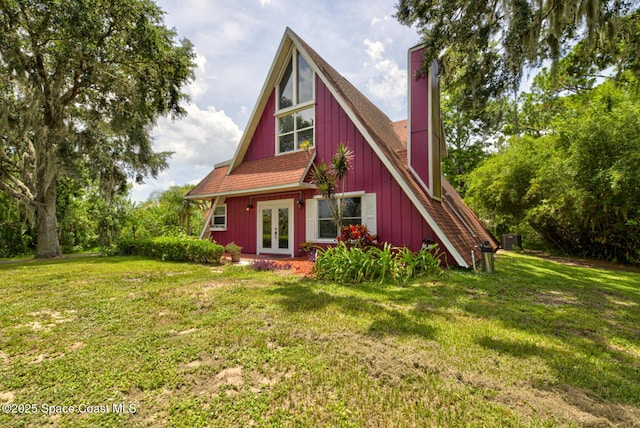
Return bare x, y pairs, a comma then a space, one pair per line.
296, 105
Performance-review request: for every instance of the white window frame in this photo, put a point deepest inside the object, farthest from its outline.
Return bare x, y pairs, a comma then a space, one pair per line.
368, 215
295, 108
219, 227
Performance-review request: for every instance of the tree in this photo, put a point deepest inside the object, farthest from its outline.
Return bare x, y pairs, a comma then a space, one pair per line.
326, 179
484, 47
574, 182
81, 85
168, 213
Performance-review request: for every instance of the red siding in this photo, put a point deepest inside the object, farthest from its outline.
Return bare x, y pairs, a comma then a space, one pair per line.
398, 221
242, 224
264, 139
418, 121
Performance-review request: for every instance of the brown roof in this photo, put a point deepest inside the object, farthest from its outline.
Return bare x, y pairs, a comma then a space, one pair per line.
287, 170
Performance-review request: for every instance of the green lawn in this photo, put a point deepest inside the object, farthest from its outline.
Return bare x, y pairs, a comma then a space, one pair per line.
133, 342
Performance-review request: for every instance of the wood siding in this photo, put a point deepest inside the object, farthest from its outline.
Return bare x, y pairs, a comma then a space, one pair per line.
418, 149
242, 224
263, 142
399, 222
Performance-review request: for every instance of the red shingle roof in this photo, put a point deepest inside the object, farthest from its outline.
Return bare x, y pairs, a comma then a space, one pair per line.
286, 170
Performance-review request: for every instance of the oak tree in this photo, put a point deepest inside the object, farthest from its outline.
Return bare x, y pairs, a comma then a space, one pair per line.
82, 82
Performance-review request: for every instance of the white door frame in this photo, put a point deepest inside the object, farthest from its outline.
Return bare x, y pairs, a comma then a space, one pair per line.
275, 204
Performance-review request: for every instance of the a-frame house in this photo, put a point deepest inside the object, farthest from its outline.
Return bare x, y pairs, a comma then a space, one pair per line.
262, 198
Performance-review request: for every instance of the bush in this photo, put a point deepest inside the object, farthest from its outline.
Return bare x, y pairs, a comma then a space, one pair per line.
356, 264
357, 235
179, 249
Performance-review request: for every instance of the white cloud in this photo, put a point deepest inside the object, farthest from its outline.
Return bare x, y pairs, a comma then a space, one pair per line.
199, 87
199, 141
202, 138
388, 82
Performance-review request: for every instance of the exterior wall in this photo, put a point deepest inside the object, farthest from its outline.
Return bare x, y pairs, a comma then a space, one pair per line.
418, 149
398, 220
242, 224
263, 143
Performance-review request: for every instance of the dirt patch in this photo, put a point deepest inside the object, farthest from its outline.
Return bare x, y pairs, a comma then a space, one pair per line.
555, 299
7, 397
75, 346
568, 403
47, 319
189, 331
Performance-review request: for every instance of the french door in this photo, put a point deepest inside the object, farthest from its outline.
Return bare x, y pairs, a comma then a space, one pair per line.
275, 227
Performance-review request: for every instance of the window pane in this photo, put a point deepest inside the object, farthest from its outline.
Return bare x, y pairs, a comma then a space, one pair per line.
285, 124
218, 221
324, 209
266, 228
328, 230
304, 136
283, 228
286, 143
305, 81
286, 88
305, 118
352, 208
220, 211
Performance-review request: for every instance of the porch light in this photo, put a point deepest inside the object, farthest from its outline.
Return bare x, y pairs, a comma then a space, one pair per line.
249, 206
300, 203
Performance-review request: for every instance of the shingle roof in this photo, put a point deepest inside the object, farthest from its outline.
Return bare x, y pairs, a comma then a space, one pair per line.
286, 170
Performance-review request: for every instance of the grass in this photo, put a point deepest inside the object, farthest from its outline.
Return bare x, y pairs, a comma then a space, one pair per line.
535, 344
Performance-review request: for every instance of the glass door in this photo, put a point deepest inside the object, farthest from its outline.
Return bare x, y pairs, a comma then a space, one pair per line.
275, 227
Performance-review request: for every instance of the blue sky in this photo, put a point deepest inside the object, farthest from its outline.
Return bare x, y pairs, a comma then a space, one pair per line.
236, 42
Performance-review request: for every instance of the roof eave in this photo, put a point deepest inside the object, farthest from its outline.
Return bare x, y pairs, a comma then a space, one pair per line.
301, 185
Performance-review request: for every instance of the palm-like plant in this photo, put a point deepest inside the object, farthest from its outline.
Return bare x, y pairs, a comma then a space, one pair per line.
326, 178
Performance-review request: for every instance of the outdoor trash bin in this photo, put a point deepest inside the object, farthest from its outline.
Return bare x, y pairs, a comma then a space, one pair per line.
487, 257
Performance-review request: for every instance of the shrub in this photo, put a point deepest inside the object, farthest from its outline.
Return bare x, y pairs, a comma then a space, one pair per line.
356, 264
179, 249
357, 235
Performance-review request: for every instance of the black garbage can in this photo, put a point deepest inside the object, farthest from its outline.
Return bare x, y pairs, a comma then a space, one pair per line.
487, 257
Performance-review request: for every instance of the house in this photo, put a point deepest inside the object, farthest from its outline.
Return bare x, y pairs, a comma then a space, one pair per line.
262, 198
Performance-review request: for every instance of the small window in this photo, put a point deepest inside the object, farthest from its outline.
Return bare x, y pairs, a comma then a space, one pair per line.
351, 214
219, 220
296, 118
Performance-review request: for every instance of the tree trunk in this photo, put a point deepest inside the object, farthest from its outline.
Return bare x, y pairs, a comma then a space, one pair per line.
46, 223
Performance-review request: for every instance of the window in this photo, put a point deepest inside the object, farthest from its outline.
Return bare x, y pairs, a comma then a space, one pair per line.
296, 111
219, 219
351, 214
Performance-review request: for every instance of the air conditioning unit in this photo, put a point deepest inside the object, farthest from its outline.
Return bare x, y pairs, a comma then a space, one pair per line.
511, 241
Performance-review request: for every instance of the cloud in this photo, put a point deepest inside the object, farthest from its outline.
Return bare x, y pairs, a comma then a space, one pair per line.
203, 138
388, 82
199, 87
199, 141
